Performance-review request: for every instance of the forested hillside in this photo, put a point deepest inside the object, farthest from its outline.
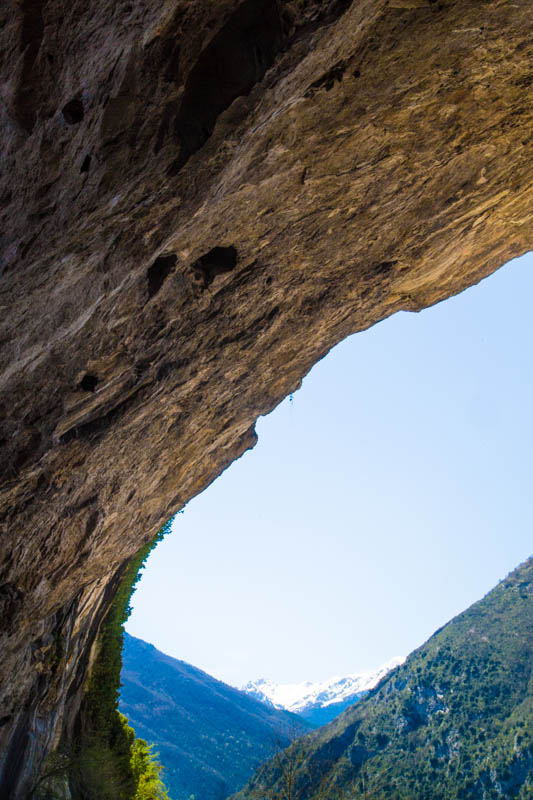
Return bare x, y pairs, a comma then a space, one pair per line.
210, 736
453, 723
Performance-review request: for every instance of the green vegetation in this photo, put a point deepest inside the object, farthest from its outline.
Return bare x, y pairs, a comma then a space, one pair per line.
146, 773
117, 766
455, 722
107, 761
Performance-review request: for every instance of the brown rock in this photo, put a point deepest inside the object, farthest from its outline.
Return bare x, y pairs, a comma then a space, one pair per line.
198, 201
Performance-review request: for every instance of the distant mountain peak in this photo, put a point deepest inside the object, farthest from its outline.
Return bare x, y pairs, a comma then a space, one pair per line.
302, 698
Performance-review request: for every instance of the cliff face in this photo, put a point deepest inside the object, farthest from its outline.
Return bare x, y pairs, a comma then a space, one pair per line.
198, 200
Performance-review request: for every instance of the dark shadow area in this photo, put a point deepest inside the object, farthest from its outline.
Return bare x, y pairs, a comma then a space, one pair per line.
233, 62
158, 272
73, 112
216, 262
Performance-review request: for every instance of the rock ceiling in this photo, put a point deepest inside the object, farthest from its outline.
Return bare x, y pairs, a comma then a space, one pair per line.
198, 200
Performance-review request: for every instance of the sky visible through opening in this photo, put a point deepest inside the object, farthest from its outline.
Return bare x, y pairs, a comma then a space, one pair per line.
392, 492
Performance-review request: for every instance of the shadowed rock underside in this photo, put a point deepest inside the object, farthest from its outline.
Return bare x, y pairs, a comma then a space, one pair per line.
198, 200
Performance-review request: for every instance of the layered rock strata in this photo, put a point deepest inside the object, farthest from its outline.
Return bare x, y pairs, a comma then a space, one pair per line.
198, 200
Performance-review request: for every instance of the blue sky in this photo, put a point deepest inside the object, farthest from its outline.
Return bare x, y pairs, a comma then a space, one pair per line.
391, 493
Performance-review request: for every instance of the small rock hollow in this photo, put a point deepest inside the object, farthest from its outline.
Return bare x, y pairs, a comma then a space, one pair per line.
86, 164
158, 272
73, 112
88, 383
215, 262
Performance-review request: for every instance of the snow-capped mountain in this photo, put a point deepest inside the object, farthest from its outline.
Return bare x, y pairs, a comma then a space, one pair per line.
320, 701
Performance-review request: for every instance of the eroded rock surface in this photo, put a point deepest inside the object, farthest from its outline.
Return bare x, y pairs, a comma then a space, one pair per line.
198, 200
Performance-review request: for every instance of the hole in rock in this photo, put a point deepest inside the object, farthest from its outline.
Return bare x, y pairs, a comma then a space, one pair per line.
158, 272
216, 262
232, 63
89, 383
73, 112
86, 163
388, 497
384, 267
91, 523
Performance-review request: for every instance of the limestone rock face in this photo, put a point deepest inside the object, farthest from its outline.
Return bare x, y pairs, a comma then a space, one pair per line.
198, 200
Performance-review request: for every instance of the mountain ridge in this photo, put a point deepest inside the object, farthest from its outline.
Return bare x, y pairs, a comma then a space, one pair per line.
210, 736
454, 722
319, 701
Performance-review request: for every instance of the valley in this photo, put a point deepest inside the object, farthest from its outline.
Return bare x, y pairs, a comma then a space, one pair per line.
452, 721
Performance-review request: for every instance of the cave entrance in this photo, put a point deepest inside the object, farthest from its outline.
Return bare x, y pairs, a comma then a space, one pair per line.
382, 499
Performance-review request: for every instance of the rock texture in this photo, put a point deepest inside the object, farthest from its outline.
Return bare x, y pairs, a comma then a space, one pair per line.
198, 200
